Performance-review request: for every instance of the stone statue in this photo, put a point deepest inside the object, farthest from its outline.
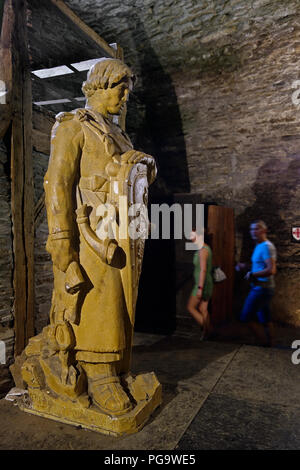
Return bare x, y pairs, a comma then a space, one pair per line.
77, 369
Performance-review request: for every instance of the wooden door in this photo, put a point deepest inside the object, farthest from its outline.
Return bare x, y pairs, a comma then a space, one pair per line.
220, 223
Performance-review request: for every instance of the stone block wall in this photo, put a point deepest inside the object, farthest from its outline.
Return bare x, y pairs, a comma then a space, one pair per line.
217, 104
43, 273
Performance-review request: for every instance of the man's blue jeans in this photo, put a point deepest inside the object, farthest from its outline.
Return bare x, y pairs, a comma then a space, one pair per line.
257, 305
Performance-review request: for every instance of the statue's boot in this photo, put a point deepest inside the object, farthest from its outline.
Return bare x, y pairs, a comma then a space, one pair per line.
105, 389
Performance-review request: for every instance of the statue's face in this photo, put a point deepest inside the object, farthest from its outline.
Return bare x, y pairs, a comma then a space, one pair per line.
116, 97
110, 100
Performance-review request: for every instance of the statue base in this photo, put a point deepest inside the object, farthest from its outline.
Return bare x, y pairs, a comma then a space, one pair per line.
145, 390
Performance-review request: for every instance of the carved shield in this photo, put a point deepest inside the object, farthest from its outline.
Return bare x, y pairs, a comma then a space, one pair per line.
131, 197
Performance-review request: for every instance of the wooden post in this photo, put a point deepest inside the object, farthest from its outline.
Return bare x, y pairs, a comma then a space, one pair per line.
14, 48
8, 21
84, 27
122, 118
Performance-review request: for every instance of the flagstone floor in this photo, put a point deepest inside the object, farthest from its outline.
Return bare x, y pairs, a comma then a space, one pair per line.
217, 394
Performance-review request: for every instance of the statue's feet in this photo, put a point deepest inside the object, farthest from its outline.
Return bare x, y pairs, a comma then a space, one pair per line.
108, 394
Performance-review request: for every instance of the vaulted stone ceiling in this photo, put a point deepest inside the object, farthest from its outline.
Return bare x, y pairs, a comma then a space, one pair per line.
185, 35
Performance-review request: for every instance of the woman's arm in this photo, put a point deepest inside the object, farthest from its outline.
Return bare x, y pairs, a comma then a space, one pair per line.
203, 256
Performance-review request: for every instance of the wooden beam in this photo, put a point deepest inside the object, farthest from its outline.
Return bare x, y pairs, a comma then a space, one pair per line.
28, 205
85, 28
22, 195
8, 21
122, 118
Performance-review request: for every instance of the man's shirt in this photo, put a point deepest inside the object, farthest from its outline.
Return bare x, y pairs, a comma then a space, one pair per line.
261, 253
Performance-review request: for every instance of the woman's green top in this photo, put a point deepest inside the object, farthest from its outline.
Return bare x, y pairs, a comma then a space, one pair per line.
208, 283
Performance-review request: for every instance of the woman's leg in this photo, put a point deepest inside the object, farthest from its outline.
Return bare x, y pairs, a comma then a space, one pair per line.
193, 309
203, 307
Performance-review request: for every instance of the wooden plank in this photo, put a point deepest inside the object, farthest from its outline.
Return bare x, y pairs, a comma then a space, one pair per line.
28, 207
10, 74
8, 21
22, 182
85, 28
119, 52
221, 225
17, 191
122, 118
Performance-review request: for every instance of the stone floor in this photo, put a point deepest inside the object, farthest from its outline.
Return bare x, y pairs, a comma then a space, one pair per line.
217, 394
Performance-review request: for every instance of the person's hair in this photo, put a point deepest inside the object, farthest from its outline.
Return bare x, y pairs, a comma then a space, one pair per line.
207, 238
106, 73
261, 224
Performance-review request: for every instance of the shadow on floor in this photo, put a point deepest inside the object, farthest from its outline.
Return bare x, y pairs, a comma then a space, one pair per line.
238, 333
175, 359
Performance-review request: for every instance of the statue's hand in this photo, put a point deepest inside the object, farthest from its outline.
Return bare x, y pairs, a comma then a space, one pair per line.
74, 278
62, 253
134, 156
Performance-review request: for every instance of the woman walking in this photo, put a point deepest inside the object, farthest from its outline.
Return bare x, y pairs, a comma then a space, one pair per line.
203, 287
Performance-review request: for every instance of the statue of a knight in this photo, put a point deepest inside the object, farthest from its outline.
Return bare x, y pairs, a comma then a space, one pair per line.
93, 163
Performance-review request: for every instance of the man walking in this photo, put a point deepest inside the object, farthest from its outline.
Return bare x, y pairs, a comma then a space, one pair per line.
256, 309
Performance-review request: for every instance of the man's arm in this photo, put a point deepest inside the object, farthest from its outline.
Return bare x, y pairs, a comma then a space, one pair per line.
269, 269
242, 266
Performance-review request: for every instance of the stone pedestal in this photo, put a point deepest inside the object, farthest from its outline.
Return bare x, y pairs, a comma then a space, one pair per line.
144, 389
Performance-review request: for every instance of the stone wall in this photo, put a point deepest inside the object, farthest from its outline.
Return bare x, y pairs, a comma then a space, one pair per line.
214, 105
43, 274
